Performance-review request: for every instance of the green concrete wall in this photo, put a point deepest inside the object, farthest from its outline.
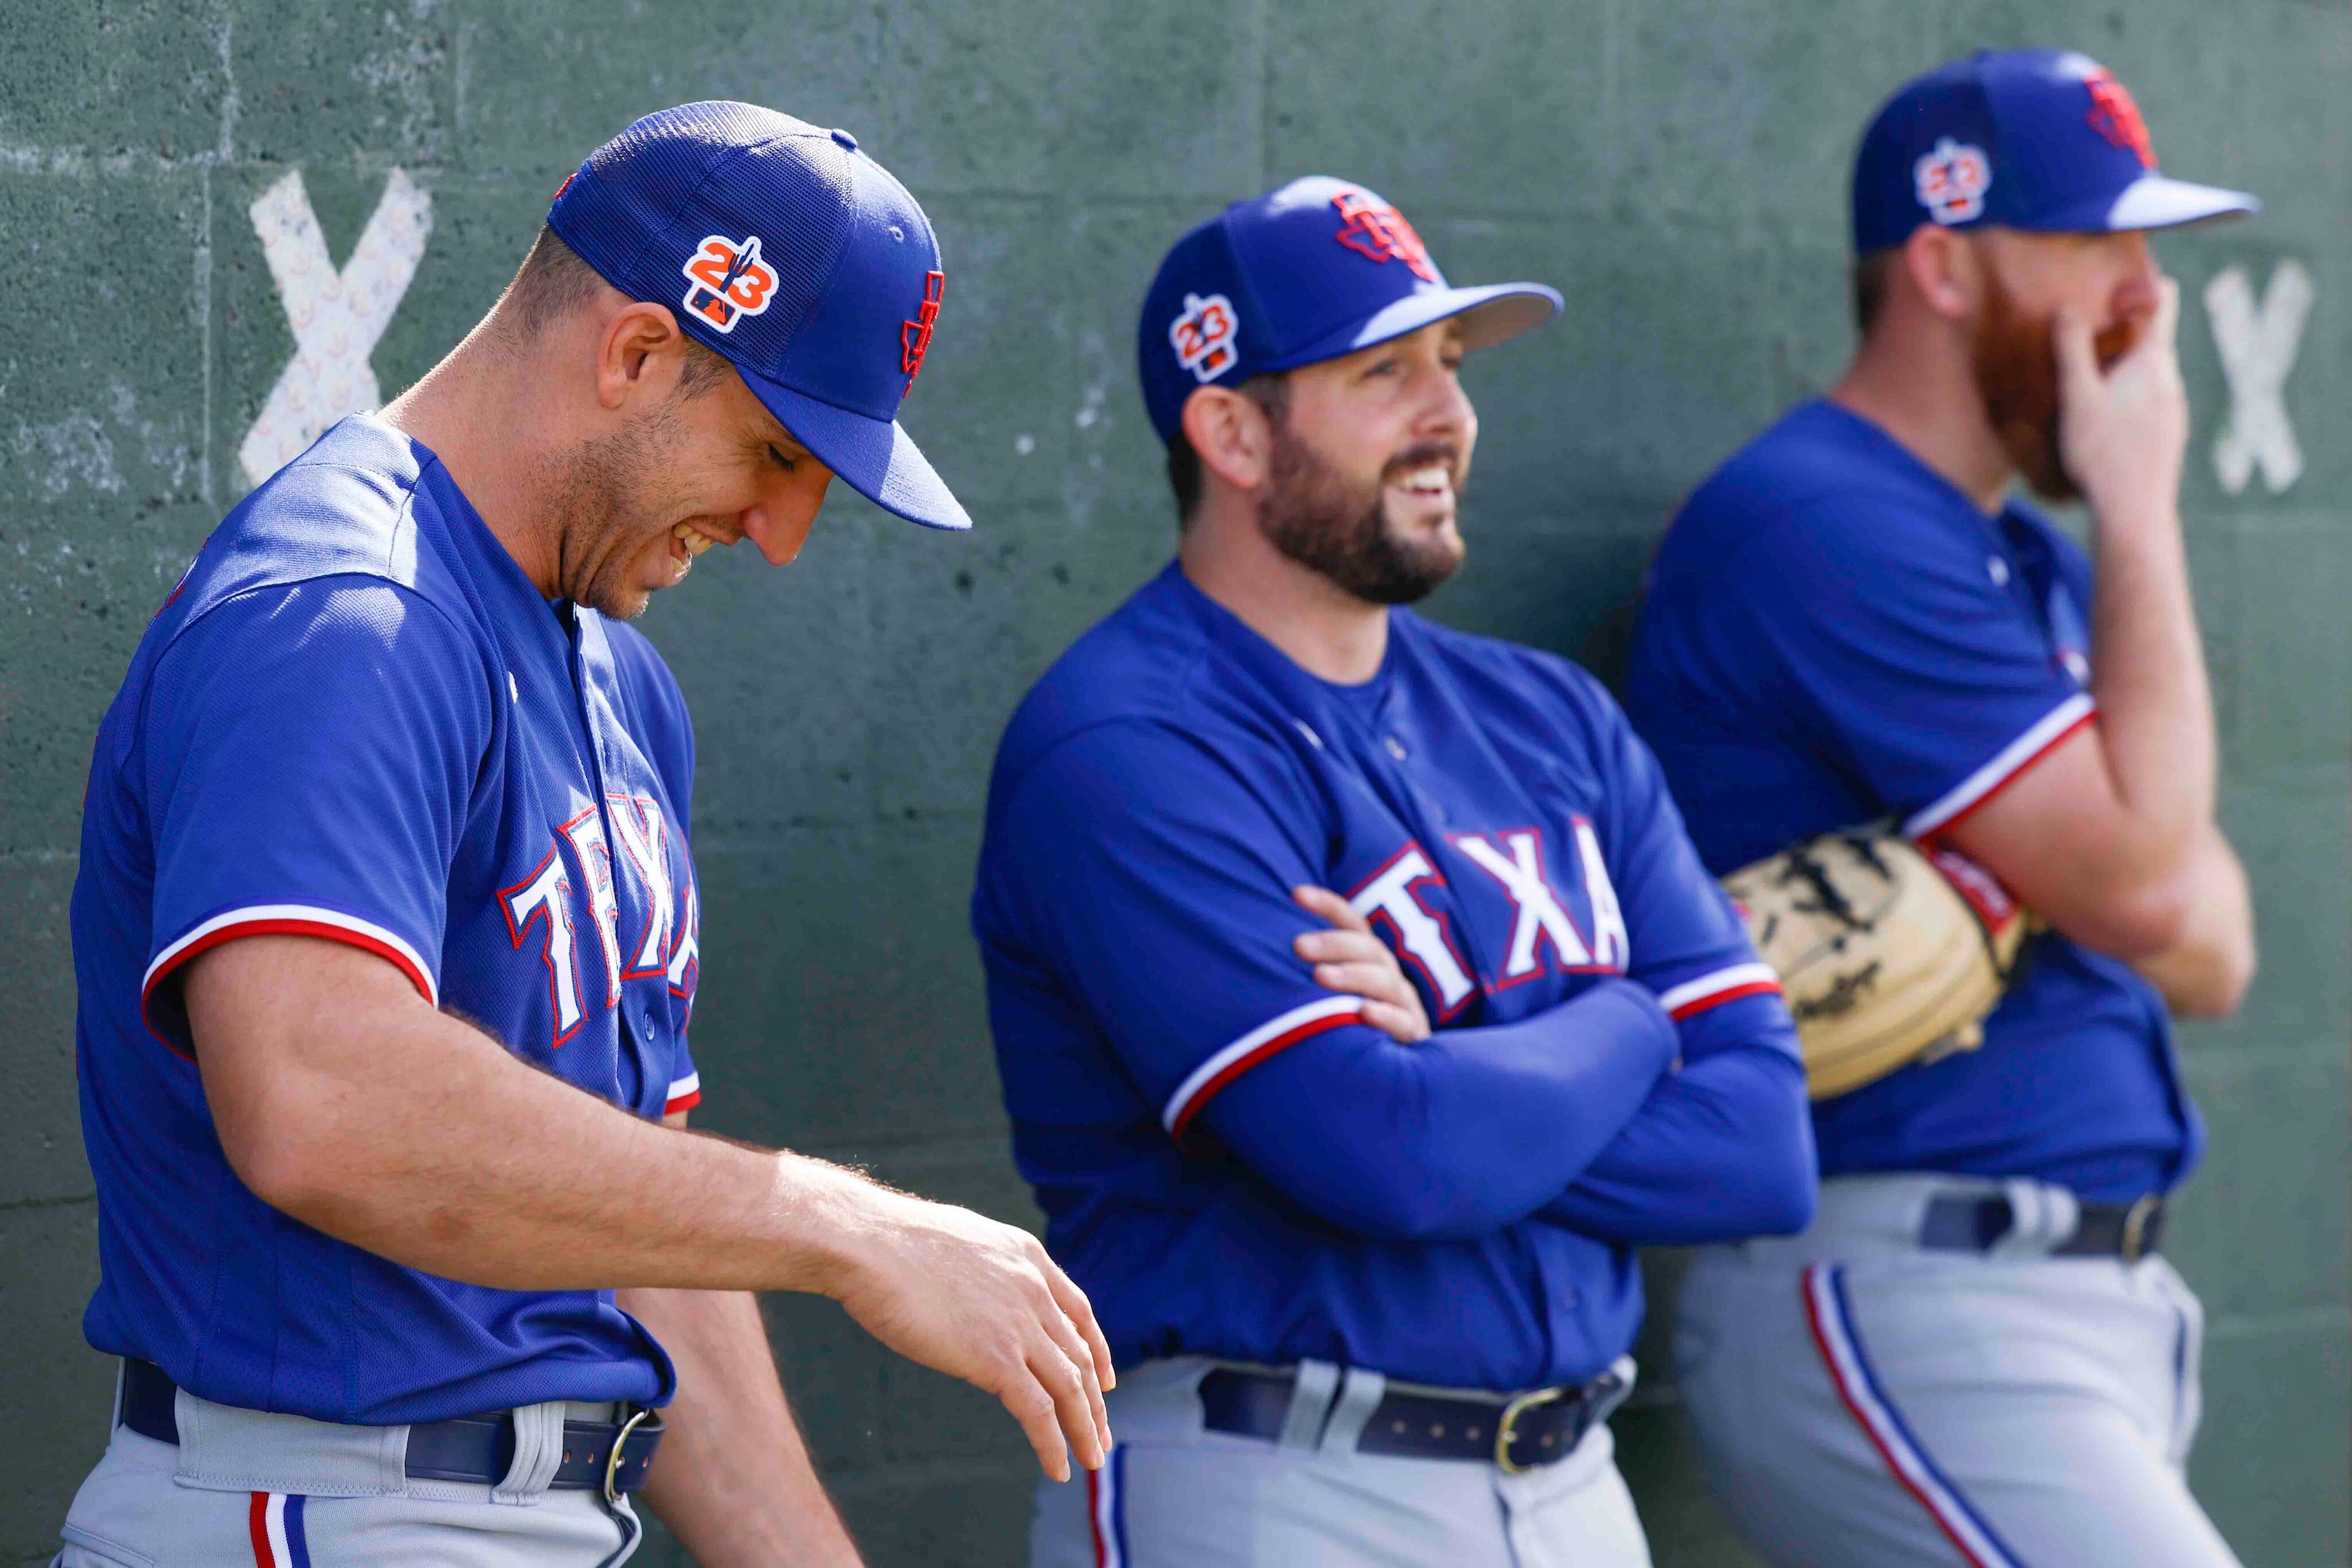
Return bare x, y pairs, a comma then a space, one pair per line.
1675, 166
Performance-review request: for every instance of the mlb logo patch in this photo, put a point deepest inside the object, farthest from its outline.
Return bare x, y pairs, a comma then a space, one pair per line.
1203, 337
727, 282
1952, 180
1373, 228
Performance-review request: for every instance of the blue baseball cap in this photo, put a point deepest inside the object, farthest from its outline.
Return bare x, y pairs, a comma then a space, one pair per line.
782, 247
1314, 270
2042, 140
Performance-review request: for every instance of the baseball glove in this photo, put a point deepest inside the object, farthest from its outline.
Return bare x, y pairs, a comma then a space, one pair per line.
1888, 954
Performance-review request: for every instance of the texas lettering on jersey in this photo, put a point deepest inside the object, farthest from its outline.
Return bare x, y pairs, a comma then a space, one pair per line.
544, 907
1407, 899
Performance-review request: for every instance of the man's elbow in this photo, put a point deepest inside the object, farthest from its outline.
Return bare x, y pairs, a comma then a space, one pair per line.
1793, 1187
293, 1172
1789, 1201
1786, 1173
287, 1147
2236, 979
2132, 922
2215, 985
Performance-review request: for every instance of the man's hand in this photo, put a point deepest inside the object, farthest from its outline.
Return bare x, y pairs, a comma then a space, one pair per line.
981, 1301
1351, 960
2121, 432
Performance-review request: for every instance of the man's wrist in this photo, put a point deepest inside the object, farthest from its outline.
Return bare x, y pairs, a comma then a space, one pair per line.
2131, 512
829, 1214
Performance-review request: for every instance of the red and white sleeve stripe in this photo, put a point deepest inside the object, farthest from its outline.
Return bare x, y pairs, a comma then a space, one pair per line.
1693, 997
684, 1092
288, 920
2013, 759
1275, 1035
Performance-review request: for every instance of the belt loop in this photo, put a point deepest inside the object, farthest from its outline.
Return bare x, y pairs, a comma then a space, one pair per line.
1310, 1402
1361, 1393
538, 1449
2043, 1219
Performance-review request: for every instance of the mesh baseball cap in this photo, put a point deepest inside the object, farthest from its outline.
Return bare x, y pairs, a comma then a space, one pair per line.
785, 247
2030, 139
1314, 270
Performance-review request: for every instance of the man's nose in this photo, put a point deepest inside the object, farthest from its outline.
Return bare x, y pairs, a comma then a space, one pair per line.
776, 543
1448, 409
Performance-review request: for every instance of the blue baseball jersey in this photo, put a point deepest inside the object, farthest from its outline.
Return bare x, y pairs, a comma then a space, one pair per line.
1232, 1161
1835, 634
355, 719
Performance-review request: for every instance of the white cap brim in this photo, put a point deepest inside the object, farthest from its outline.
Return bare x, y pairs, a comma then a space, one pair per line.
2153, 201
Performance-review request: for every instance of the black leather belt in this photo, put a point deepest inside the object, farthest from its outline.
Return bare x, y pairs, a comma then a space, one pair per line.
2128, 1231
1518, 1432
468, 1448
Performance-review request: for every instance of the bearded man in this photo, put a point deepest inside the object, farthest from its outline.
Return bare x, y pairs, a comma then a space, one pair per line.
1973, 1355
1359, 1001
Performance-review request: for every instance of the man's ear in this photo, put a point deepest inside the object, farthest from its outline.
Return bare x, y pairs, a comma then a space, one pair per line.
1944, 270
640, 356
1232, 435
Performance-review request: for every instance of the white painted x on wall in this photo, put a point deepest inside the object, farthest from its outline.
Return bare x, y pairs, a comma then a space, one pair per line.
2258, 344
338, 318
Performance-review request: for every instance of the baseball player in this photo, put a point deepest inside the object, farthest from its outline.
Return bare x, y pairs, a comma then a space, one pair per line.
387, 933
1974, 1354
1360, 1001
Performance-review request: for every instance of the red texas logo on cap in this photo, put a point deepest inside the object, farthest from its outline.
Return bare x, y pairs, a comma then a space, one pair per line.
1381, 232
2115, 116
1952, 180
1204, 336
915, 336
728, 280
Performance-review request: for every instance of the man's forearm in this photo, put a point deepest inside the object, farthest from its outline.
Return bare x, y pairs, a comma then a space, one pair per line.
482, 1172
733, 1481
2155, 710
1467, 1130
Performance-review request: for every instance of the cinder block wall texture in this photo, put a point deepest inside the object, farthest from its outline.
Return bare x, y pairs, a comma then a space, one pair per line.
1676, 167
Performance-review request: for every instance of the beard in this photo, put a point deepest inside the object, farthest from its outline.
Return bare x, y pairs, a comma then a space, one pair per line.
2016, 366
1312, 514
608, 504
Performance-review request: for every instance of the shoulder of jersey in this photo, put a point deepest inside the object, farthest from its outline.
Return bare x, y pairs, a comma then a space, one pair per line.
345, 508
1148, 660
1812, 470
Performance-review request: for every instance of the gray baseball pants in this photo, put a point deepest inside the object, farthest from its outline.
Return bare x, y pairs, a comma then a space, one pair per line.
1862, 1403
279, 1491
1176, 1495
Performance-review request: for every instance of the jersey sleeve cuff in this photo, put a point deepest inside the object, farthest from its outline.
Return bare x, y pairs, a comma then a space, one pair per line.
1948, 809
283, 920
1693, 997
1274, 1036
684, 1094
